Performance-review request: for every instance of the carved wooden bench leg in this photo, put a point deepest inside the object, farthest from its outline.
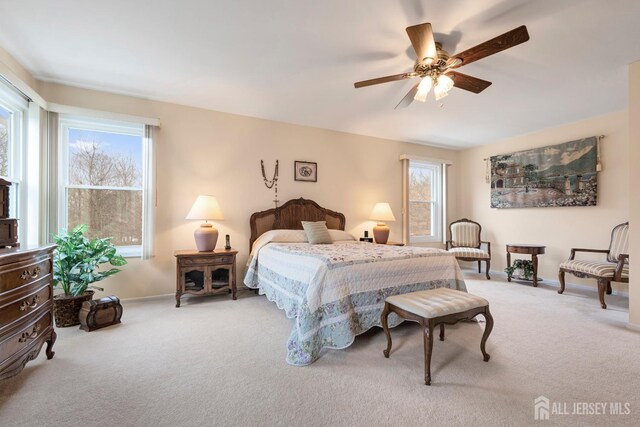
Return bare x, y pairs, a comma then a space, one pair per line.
561, 277
487, 331
428, 347
385, 325
441, 331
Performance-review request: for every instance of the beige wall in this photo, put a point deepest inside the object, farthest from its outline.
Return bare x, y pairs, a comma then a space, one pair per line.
559, 229
634, 179
206, 152
15, 73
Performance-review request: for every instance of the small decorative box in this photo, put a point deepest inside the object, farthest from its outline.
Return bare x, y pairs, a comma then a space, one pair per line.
96, 314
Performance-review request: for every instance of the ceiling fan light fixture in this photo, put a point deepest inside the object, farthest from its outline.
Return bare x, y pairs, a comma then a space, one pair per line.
423, 89
432, 62
443, 86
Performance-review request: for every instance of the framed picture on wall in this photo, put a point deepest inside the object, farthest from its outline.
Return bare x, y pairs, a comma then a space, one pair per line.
306, 171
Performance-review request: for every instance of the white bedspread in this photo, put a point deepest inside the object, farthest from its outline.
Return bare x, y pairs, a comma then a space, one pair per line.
337, 291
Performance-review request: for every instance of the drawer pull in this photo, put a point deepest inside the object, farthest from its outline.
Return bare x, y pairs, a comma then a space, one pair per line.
29, 336
33, 304
33, 275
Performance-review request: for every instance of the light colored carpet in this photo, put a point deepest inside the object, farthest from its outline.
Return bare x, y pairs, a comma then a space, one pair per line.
215, 361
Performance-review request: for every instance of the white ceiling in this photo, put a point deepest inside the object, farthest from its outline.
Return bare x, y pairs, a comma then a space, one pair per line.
296, 61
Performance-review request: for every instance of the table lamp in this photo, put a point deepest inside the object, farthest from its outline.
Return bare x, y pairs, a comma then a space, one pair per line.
205, 208
381, 212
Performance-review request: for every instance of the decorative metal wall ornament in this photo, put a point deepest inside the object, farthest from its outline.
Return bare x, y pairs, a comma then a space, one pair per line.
273, 183
556, 175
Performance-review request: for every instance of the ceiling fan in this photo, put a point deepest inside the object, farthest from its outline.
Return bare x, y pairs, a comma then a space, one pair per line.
435, 66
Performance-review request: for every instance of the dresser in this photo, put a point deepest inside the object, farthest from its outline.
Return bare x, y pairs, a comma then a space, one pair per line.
26, 306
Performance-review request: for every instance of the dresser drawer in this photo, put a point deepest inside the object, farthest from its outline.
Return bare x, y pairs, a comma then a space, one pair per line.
13, 343
23, 273
25, 305
194, 261
227, 259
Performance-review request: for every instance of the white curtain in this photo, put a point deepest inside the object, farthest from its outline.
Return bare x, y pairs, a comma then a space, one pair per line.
150, 197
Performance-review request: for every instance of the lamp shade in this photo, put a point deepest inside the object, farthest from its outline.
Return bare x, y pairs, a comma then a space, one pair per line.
382, 212
206, 208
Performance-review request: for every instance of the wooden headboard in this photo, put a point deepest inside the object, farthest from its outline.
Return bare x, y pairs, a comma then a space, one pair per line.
289, 215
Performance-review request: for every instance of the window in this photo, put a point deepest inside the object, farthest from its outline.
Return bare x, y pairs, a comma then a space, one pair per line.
13, 125
424, 205
103, 175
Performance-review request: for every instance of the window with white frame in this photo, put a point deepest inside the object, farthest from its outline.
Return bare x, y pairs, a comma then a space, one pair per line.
104, 175
425, 202
13, 128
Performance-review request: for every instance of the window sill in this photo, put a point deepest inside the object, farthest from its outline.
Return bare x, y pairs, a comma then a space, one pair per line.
129, 251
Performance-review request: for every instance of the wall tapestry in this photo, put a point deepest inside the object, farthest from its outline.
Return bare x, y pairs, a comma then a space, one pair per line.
556, 175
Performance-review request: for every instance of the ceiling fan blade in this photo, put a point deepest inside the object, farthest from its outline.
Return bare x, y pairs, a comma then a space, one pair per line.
383, 80
421, 37
472, 84
408, 98
498, 44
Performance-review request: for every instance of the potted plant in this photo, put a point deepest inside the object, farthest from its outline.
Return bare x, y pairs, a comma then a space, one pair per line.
524, 267
76, 265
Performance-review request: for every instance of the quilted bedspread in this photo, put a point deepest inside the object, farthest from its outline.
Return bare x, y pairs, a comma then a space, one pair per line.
337, 291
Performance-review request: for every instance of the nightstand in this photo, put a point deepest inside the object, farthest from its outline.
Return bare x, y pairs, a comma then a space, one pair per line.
205, 273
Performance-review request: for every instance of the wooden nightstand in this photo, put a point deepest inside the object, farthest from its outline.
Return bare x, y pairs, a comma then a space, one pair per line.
205, 273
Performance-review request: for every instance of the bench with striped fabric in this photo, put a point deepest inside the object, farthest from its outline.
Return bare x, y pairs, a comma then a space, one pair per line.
614, 269
435, 307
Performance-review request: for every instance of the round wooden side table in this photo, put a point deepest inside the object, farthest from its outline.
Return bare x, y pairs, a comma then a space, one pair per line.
527, 249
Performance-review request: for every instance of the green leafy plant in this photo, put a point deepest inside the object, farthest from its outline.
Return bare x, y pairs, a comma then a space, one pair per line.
525, 267
77, 260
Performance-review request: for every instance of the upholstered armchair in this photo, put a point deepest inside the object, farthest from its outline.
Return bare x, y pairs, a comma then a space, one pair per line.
614, 269
464, 242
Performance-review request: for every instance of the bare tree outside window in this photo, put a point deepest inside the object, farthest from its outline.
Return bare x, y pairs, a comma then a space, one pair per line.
5, 121
105, 185
420, 201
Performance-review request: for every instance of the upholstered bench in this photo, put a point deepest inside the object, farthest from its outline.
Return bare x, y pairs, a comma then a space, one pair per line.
435, 307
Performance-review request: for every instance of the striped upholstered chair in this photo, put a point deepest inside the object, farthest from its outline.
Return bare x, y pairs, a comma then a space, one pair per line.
464, 242
614, 269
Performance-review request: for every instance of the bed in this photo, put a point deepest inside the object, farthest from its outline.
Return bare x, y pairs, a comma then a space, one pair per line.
334, 292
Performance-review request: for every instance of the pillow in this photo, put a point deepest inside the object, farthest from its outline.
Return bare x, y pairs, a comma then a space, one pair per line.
316, 232
278, 236
339, 236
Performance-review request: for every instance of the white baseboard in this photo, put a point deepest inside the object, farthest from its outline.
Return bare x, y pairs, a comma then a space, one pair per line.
633, 327
568, 285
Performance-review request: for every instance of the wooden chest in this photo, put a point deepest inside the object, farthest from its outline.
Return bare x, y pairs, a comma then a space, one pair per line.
8, 232
96, 314
4, 198
26, 307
